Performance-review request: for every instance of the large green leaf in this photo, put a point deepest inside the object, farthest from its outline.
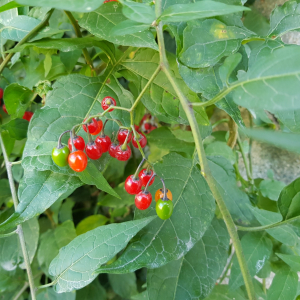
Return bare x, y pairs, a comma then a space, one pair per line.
284, 285
17, 128
160, 98
284, 234
11, 280
73, 5
10, 248
101, 21
285, 18
237, 201
9, 5
288, 202
93, 291
5, 191
257, 249
50, 294
17, 99
128, 27
198, 10
52, 240
271, 82
292, 260
38, 190
222, 292
74, 266
19, 26
123, 285
215, 41
165, 240
194, 275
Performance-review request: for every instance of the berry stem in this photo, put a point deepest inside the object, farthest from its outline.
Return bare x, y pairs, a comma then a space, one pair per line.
90, 140
147, 185
124, 146
164, 187
72, 134
59, 143
205, 170
135, 176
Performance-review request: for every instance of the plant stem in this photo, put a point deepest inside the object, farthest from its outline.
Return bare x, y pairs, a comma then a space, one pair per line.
29, 35
8, 234
203, 161
219, 122
78, 34
233, 133
25, 286
245, 160
19, 227
250, 147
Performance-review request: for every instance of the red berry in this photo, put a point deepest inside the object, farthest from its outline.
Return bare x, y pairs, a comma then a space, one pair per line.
122, 154
93, 150
137, 128
147, 125
27, 115
153, 127
78, 161
78, 142
143, 200
122, 134
133, 185
104, 141
145, 117
112, 149
145, 176
100, 126
106, 1
92, 126
108, 102
4, 108
1, 93
142, 140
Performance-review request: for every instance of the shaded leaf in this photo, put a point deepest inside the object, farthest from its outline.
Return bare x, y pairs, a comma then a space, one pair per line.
50, 294
5, 191
220, 149
194, 275
75, 264
90, 223
9, 5
292, 260
123, 285
93, 291
17, 128
165, 240
222, 292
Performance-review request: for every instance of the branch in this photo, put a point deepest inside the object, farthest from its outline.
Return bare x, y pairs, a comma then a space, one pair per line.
203, 160
4, 235
19, 227
28, 36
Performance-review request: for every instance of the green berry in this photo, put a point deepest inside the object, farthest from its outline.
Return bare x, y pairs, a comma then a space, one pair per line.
60, 156
164, 209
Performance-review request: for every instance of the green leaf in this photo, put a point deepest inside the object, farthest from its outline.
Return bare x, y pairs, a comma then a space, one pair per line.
257, 249
198, 10
123, 285
138, 12
236, 201
52, 240
7, 15
72, 5
17, 28
215, 41
271, 81
128, 27
75, 264
160, 99
17, 98
226, 69
222, 292
90, 223
271, 188
101, 21
10, 248
50, 294
11, 281
9, 5
165, 240
69, 59
38, 191
284, 18
288, 202
284, 234
5, 191
220, 149
17, 128
284, 285
292, 260
93, 291
194, 275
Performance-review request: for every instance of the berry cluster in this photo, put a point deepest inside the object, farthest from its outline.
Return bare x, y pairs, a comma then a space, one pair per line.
74, 154
143, 198
147, 124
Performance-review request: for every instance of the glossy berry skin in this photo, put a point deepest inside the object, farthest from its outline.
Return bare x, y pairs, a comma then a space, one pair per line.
92, 126
1, 93
100, 126
106, 1
78, 161
147, 126
78, 142
142, 140
137, 128
145, 176
160, 194
4, 108
104, 141
60, 156
112, 149
93, 150
123, 155
133, 185
27, 115
164, 209
108, 101
122, 134
143, 200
